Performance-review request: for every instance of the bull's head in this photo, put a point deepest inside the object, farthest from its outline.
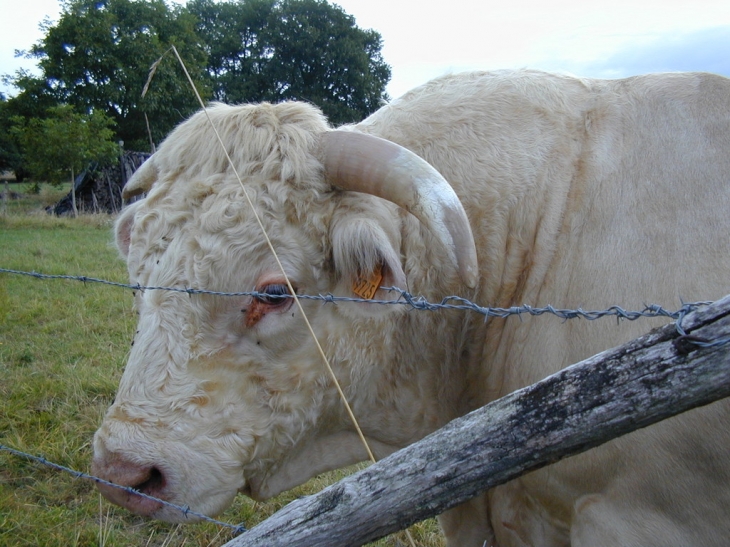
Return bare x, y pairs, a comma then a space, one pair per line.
224, 394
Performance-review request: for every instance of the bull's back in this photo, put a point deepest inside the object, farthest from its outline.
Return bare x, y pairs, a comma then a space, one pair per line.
588, 194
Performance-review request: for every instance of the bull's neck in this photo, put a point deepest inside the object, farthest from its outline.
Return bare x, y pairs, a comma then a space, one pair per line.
517, 230
434, 362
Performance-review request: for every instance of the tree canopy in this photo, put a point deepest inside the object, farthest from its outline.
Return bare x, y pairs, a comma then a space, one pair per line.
274, 50
98, 55
10, 157
97, 58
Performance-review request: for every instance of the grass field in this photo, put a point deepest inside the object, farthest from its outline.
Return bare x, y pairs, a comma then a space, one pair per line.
63, 346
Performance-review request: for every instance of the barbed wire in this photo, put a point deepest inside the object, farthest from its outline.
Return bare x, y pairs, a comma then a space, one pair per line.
407, 299
186, 511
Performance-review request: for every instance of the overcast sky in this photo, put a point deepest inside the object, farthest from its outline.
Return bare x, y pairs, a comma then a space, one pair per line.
603, 39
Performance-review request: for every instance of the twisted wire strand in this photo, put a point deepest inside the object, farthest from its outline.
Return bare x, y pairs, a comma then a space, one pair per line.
421, 304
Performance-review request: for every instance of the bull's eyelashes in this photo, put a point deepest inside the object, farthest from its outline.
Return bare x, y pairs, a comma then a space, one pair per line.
274, 294
268, 297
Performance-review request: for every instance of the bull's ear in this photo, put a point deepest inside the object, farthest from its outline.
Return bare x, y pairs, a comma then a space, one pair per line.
123, 228
366, 257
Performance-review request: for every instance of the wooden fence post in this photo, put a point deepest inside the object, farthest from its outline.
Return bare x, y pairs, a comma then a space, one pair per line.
610, 394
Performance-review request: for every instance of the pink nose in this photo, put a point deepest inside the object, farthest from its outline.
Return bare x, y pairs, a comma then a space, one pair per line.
146, 479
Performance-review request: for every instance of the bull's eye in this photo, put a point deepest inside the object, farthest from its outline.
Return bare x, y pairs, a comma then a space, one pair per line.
275, 294
269, 297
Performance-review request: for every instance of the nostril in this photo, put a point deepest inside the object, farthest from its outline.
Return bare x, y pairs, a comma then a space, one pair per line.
119, 470
154, 483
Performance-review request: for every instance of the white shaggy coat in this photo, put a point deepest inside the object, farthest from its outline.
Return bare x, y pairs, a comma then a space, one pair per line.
580, 193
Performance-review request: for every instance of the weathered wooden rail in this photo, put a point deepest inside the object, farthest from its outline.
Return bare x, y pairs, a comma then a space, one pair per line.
613, 393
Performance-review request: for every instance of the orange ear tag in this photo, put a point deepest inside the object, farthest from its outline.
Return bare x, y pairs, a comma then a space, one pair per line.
366, 287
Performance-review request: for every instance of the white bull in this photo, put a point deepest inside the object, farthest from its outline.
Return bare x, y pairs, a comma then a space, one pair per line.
578, 193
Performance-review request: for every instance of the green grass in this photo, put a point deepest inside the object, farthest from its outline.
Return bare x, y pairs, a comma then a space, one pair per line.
63, 346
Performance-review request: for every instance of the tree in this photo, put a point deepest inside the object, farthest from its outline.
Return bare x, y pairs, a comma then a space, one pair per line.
97, 58
60, 145
9, 153
231, 35
274, 50
32, 102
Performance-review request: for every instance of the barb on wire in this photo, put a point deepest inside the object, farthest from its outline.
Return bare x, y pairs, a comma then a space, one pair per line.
237, 528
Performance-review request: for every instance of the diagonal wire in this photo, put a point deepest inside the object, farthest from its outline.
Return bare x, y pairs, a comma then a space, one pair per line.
238, 528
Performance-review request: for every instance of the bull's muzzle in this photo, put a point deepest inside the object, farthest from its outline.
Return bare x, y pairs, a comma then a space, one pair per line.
117, 469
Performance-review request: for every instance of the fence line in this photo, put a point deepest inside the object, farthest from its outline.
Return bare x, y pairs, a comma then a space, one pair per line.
238, 528
648, 379
404, 298
421, 304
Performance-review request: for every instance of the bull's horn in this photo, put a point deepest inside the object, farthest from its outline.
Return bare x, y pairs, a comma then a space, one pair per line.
142, 180
364, 163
